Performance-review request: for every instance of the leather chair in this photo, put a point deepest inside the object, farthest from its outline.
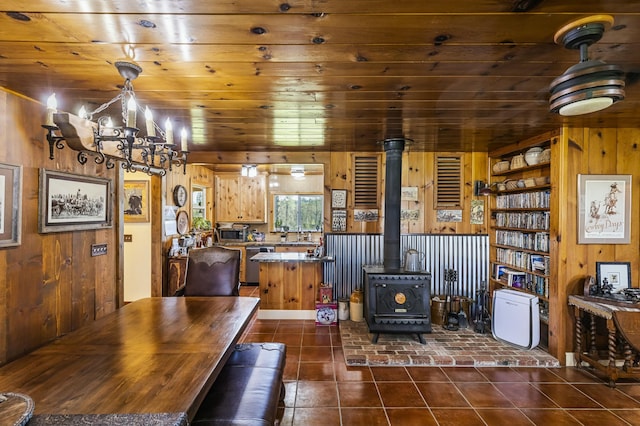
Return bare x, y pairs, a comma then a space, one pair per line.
212, 271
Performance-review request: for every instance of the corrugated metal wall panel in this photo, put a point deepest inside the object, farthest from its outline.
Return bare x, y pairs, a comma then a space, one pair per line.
467, 254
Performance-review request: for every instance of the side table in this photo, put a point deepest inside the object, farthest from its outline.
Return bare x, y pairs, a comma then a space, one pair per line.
622, 327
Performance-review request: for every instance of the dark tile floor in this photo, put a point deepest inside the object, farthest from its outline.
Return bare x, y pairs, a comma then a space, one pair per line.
323, 390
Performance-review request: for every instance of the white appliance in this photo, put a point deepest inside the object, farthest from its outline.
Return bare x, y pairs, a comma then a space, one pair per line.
516, 318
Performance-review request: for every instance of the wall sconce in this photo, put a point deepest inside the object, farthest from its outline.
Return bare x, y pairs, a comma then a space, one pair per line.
249, 170
481, 188
151, 154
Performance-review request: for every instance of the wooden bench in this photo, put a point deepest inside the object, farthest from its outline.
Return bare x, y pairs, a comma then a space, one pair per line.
248, 389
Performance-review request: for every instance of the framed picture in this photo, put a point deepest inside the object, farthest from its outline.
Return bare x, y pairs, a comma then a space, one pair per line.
365, 215
10, 205
613, 277
339, 221
69, 202
136, 199
409, 193
338, 198
604, 209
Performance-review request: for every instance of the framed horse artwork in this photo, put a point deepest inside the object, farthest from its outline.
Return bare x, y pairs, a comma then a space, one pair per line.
136, 199
604, 209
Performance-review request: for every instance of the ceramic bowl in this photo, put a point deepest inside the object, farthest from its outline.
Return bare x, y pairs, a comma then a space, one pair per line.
532, 156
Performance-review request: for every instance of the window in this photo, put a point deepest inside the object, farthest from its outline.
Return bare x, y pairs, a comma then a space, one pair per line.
300, 212
198, 202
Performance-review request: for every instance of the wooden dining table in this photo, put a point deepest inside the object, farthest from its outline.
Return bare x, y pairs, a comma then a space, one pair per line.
155, 355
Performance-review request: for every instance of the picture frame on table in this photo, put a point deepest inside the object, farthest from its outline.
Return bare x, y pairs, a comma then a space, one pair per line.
338, 198
604, 209
70, 202
136, 198
613, 276
10, 205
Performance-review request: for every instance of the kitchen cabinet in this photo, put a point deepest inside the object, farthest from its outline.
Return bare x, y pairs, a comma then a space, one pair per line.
289, 280
241, 198
243, 256
521, 208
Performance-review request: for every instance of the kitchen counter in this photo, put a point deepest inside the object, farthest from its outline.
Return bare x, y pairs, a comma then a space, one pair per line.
288, 284
271, 243
289, 257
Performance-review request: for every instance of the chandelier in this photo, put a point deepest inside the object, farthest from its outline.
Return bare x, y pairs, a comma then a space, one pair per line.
108, 143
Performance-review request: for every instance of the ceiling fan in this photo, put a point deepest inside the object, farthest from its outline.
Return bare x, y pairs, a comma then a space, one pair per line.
591, 85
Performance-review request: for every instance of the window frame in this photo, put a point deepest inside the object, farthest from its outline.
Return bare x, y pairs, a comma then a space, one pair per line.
275, 195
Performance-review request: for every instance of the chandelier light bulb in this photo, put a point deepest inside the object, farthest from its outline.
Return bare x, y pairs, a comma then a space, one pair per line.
131, 113
148, 118
183, 140
82, 112
168, 128
52, 105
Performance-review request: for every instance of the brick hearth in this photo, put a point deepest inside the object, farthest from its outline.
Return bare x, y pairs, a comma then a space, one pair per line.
443, 348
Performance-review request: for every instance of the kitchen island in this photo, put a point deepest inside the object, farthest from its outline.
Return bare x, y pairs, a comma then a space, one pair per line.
288, 284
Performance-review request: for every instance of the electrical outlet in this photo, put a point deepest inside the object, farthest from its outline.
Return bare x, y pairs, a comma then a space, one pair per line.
98, 249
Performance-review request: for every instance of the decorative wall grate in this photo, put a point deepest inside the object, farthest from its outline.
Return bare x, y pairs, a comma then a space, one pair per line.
448, 184
366, 180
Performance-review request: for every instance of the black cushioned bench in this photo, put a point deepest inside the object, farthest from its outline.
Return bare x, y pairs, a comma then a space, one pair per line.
248, 389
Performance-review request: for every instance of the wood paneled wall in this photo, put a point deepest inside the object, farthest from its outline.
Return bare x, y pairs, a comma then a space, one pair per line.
50, 284
593, 151
417, 171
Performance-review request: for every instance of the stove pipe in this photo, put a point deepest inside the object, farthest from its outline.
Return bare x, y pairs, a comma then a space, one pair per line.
392, 192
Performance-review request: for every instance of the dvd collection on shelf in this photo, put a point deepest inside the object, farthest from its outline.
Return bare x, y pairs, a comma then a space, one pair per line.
524, 200
537, 241
523, 220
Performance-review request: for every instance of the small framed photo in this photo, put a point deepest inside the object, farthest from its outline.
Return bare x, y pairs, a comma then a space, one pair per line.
338, 198
409, 193
339, 221
136, 198
613, 277
69, 202
10, 205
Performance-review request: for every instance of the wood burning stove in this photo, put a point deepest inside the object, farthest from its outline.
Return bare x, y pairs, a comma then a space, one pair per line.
397, 301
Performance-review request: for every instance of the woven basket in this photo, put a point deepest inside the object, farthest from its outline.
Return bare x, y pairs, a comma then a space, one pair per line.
540, 180
501, 166
545, 156
517, 162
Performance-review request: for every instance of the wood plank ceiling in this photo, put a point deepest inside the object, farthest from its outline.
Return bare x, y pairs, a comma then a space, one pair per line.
319, 75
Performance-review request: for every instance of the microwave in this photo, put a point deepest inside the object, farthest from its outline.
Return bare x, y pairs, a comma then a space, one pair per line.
233, 235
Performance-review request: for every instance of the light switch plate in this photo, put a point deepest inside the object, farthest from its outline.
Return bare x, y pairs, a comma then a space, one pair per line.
98, 249
128, 238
